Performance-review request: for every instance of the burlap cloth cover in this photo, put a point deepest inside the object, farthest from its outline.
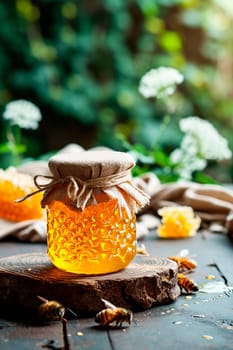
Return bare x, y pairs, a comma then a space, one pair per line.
81, 179
213, 203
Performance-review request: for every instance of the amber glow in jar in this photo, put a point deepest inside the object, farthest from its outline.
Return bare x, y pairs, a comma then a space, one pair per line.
94, 241
91, 204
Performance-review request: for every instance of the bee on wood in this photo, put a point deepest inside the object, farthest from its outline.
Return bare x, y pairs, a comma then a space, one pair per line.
113, 314
51, 310
183, 261
184, 264
186, 283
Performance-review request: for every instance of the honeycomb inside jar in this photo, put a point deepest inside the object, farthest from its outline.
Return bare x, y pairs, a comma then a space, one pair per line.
97, 240
14, 185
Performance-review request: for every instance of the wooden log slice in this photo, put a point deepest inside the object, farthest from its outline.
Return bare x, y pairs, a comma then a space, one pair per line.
146, 282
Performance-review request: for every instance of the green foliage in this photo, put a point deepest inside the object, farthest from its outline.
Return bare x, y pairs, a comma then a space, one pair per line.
82, 60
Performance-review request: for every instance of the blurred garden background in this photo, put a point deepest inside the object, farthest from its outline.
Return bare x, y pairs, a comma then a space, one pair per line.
80, 62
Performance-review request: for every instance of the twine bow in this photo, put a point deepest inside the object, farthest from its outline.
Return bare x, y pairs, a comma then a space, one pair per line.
80, 192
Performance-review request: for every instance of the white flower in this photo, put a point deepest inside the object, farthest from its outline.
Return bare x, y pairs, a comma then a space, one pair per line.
186, 163
205, 138
200, 143
22, 113
160, 82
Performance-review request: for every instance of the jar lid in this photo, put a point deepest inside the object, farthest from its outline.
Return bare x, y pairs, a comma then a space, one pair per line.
78, 176
90, 164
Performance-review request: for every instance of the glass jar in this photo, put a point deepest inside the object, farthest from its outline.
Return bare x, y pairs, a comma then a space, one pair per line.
91, 204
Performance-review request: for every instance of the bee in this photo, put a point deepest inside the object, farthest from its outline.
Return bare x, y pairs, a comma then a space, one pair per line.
184, 264
51, 310
183, 261
113, 314
186, 283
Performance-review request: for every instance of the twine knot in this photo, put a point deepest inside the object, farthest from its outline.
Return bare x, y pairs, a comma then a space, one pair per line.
82, 192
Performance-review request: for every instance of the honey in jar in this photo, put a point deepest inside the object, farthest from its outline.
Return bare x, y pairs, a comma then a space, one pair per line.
91, 204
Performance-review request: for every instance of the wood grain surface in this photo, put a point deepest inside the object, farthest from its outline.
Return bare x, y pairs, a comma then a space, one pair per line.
146, 282
195, 322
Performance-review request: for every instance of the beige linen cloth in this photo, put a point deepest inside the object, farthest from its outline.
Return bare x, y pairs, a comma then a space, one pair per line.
213, 203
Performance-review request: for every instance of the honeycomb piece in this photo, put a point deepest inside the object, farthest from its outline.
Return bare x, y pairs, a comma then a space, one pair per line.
178, 222
14, 185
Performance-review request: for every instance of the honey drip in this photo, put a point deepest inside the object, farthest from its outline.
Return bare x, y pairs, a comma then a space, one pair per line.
14, 185
94, 241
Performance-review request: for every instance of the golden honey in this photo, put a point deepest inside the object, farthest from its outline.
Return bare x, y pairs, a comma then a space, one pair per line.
178, 222
97, 240
14, 185
91, 202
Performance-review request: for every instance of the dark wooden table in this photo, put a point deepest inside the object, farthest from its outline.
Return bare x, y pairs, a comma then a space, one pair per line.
197, 321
